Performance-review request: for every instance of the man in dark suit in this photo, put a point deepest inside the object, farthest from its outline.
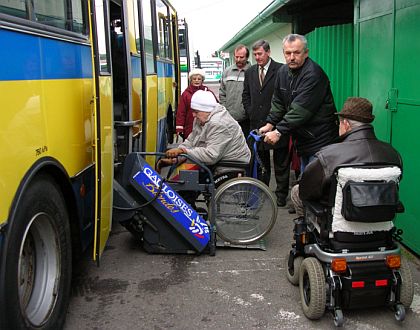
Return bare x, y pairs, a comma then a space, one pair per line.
256, 98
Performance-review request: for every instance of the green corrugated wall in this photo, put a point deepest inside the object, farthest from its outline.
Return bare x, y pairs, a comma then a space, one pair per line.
387, 72
332, 48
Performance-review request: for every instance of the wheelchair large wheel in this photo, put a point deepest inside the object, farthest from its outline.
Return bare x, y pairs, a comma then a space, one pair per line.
406, 289
246, 210
312, 288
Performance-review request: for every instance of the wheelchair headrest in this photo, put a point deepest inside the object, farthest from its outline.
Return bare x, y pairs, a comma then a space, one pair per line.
372, 173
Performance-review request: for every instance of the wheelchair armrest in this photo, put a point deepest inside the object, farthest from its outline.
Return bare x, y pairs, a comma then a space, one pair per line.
316, 208
232, 164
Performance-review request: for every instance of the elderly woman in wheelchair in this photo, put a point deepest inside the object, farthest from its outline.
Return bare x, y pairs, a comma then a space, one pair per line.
242, 208
165, 214
345, 253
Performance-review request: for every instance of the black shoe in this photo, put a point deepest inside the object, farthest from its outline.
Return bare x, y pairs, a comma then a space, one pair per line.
291, 210
281, 203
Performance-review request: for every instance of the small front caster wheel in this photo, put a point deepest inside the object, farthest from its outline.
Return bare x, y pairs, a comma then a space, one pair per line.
399, 312
338, 318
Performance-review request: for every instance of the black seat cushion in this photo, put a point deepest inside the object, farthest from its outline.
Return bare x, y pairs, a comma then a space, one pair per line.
361, 241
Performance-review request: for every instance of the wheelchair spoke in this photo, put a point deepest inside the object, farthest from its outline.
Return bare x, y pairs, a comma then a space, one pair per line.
245, 210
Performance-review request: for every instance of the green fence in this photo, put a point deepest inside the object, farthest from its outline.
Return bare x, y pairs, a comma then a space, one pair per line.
332, 48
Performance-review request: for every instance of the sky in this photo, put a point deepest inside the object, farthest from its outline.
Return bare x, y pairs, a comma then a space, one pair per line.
212, 23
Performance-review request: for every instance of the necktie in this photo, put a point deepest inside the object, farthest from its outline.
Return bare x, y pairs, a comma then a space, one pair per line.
262, 75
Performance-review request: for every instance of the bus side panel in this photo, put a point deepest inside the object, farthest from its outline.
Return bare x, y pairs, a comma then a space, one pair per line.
136, 92
152, 113
46, 90
166, 79
107, 158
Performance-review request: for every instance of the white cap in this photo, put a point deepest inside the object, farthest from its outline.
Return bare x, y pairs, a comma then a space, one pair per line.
197, 71
203, 101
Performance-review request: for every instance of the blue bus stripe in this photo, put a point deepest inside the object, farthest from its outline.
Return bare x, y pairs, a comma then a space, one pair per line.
135, 67
28, 57
165, 70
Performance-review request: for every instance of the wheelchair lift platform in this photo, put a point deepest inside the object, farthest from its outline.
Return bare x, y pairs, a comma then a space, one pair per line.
153, 210
259, 245
155, 213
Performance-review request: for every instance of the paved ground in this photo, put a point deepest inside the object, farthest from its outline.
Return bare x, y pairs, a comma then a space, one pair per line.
236, 289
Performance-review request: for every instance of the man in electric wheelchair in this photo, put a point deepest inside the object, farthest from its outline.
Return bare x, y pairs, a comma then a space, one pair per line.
344, 254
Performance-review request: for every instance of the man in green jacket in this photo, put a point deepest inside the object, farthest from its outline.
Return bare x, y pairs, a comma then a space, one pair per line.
302, 103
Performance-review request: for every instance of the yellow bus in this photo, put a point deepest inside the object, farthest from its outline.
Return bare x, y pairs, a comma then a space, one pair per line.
83, 83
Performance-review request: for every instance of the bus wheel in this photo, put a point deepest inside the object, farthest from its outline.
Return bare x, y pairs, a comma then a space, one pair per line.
37, 260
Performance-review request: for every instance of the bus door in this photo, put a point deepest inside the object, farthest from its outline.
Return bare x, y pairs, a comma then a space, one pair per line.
175, 44
150, 85
121, 66
103, 119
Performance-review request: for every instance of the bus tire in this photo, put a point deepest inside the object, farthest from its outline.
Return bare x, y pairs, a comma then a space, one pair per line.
35, 292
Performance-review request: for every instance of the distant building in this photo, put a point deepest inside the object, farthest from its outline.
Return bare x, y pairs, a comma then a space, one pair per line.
264, 26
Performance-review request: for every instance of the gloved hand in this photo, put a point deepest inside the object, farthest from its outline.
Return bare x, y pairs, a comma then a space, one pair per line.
172, 153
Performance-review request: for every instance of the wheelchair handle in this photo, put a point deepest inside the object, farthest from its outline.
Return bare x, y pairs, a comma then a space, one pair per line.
194, 160
256, 135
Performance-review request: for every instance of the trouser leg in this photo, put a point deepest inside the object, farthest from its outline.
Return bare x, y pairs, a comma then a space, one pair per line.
245, 126
264, 176
304, 161
281, 160
297, 202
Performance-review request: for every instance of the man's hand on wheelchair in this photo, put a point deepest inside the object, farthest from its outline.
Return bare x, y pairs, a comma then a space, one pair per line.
272, 137
175, 152
266, 128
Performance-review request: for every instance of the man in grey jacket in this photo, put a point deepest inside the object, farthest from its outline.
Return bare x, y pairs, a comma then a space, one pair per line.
232, 85
215, 137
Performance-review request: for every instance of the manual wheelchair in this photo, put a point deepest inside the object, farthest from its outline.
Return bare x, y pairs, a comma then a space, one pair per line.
237, 208
346, 255
241, 208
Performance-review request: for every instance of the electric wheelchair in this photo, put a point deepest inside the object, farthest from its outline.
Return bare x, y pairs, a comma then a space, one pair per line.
346, 254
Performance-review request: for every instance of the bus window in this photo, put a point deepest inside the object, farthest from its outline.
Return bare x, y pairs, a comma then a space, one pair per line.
171, 23
136, 26
163, 29
148, 36
182, 42
77, 13
51, 12
14, 8
102, 45
68, 15
184, 53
